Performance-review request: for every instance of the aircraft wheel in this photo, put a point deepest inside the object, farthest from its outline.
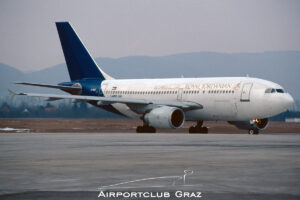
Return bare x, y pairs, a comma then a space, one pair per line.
192, 129
139, 129
145, 129
204, 129
150, 129
197, 129
253, 131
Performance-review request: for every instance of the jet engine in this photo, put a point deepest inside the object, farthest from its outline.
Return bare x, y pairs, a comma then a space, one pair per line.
255, 123
165, 117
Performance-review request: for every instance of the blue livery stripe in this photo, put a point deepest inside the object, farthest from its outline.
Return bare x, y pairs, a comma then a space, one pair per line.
80, 63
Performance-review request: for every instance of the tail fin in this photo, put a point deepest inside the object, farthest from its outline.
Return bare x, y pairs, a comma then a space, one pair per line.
80, 63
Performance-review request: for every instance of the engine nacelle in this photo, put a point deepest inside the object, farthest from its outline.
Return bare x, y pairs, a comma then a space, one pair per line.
255, 123
165, 117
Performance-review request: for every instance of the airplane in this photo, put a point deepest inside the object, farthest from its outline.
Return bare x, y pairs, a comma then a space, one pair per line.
167, 103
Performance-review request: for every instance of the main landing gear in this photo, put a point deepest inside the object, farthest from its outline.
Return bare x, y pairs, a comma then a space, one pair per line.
145, 129
198, 128
253, 131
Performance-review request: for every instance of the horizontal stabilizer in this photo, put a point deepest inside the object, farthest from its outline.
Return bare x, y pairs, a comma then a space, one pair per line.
71, 89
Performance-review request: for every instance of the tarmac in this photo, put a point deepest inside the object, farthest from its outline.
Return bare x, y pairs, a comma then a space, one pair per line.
81, 165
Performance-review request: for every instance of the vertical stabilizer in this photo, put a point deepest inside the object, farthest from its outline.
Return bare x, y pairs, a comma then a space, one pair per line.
79, 62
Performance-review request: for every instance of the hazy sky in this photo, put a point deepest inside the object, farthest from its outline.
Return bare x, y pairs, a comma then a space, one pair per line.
29, 40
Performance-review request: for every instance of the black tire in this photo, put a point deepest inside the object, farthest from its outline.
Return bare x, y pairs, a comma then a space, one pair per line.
149, 129
204, 129
152, 129
253, 131
139, 129
196, 129
192, 129
145, 129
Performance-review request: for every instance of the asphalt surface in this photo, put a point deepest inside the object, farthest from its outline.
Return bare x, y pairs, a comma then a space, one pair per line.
80, 165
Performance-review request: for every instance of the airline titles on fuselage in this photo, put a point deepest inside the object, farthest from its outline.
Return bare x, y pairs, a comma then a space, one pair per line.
173, 88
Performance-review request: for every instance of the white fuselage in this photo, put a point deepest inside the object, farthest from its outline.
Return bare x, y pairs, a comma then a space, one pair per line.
228, 99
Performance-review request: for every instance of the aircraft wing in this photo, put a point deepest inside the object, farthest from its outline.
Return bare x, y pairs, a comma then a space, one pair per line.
185, 105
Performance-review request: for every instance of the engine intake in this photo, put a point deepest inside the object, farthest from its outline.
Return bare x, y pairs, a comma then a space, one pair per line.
165, 117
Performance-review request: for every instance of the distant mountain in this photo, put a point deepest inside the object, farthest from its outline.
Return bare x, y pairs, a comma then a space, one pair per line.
282, 67
7, 74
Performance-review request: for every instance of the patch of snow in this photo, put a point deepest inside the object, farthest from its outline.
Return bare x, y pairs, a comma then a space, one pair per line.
18, 130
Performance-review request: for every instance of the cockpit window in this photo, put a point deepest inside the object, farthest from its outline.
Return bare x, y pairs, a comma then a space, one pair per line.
272, 90
280, 90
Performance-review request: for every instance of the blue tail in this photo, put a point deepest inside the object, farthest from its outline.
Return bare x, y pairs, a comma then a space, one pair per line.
80, 63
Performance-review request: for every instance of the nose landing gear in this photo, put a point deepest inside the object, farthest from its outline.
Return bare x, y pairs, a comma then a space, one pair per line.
198, 128
253, 131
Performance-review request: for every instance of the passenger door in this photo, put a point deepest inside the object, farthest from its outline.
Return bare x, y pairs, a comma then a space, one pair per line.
245, 94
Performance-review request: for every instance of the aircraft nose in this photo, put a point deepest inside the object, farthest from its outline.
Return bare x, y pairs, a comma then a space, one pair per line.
288, 100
